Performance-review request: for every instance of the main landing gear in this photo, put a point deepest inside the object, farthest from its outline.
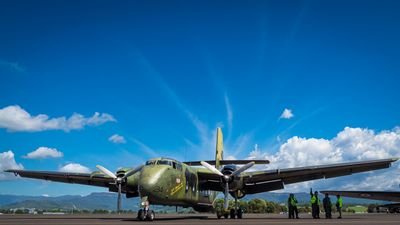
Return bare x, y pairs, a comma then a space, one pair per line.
146, 214
233, 213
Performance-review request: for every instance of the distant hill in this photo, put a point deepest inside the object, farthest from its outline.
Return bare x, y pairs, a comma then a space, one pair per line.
103, 200
108, 201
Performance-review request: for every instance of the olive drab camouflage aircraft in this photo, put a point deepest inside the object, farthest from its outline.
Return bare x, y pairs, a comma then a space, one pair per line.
165, 181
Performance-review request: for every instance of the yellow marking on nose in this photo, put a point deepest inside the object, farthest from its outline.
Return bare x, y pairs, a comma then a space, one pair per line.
176, 188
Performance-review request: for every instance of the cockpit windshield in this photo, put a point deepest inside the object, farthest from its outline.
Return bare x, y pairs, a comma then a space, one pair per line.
151, 162
164, 162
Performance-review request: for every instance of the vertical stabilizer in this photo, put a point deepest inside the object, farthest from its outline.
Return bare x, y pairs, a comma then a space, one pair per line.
219, 148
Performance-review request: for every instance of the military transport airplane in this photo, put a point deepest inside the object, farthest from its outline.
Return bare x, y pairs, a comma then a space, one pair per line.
165, 181
391, 196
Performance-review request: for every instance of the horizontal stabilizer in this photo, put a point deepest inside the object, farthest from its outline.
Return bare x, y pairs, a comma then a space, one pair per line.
393, 196
227, 162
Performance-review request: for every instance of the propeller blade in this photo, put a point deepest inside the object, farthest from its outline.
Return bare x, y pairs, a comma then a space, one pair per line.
106, 172
242, 169
119, 198
211, 168
130, 173
226, 195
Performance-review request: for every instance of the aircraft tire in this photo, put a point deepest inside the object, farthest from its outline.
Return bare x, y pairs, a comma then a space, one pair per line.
141, 215
232, 214
150, 215
239, 214
226, 215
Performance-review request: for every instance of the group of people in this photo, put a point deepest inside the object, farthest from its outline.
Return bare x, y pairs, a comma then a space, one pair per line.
315, 203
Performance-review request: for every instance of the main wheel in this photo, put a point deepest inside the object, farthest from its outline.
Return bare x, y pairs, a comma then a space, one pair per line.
141, 215
150, 215
226, 215
239, 213
232, 213
219, 214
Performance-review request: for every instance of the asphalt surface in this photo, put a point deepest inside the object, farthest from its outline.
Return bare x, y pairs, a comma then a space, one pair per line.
194, 219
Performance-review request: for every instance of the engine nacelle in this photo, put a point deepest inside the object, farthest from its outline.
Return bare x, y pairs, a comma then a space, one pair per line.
235, 183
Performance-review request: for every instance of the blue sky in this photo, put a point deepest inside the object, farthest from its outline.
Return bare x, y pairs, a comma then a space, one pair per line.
164, 74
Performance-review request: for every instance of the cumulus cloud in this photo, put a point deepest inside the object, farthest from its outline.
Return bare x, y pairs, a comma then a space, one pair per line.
286, 114
74, 168
14, 119
7, 161
351, 144
43, 153
118, 139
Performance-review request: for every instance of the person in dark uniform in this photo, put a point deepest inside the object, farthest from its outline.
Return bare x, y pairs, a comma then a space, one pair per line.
327, 206
292, 205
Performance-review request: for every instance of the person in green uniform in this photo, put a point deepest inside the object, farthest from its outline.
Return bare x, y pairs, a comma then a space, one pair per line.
339, 205
314, 201
292, 205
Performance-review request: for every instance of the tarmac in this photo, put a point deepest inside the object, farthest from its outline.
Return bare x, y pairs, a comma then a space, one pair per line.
195, 219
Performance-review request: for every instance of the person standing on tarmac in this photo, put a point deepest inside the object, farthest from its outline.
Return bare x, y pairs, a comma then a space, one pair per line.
292, 205
314, 204
339, 206
327, 206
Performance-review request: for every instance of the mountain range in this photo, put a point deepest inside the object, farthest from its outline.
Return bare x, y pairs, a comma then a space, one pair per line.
107, 201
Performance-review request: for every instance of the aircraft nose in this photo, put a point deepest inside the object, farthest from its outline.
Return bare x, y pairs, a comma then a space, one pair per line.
150, 181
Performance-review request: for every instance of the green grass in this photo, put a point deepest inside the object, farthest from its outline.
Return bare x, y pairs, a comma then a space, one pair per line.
359, 208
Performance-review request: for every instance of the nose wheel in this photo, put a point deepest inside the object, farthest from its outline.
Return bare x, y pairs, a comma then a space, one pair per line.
146, 215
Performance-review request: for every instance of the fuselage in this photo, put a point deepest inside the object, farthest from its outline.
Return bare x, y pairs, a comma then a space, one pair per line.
167, 181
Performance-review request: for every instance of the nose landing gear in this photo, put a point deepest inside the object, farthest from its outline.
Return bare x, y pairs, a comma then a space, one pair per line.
146, 213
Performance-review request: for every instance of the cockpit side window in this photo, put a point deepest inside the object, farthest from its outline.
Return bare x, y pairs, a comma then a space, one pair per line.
179, 166
151, 162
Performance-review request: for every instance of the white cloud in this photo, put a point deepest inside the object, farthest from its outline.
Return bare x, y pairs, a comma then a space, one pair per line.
229, 113
7, 161
12, 66
286, 114
118, 139
74, 168
351, 144
43, 153
14, 118
145, 148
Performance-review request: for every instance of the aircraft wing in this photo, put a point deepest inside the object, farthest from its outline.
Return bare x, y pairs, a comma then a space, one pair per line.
269, 180
227, 162
76, 178
392, 196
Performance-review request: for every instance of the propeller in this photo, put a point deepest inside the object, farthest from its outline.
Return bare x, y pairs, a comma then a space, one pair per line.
227, 177
119, 180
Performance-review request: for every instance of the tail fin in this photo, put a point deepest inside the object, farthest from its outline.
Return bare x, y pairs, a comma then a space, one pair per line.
219, 153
